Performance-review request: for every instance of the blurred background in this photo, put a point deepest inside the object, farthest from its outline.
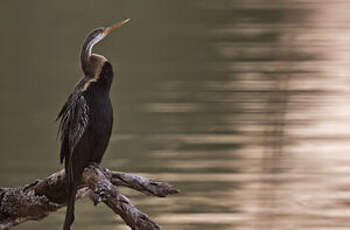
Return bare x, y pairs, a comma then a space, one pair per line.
242, 104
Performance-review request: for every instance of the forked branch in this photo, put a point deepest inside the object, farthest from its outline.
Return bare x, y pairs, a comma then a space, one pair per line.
35, 201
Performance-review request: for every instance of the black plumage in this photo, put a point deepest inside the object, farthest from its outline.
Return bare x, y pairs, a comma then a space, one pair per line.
86, 119
86, 122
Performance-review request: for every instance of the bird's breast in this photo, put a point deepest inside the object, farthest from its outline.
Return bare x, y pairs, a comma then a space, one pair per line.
100, 124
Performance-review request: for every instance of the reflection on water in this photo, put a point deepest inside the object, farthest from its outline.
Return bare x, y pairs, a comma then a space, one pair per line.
241, 104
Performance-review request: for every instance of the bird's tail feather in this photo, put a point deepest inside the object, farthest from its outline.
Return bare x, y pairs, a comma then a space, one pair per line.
70, 209
72, 191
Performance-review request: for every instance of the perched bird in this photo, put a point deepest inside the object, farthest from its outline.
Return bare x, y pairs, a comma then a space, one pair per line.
86, 118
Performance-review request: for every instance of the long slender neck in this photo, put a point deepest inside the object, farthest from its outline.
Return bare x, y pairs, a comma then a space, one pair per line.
85, 56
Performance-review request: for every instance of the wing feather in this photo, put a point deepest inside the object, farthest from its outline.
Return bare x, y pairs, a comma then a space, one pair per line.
73, 123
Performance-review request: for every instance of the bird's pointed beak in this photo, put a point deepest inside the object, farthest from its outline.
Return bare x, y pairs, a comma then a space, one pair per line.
115, 26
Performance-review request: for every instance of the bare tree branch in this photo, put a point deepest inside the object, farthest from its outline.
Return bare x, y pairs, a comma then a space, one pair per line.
36, 200
109, 194
141, 184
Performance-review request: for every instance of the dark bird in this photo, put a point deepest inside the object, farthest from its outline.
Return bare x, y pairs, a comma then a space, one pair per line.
86, 118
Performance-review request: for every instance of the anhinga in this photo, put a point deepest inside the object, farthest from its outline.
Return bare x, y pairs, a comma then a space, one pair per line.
87, 116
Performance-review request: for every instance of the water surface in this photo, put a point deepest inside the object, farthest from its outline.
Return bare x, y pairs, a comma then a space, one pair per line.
242, 104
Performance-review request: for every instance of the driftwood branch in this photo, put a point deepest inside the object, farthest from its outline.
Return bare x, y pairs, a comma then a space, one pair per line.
35, 201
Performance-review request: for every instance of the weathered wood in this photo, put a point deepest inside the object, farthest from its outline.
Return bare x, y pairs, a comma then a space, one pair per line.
141, 184
109, 194
36, 200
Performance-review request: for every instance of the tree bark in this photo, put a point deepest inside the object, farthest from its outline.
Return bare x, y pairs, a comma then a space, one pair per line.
35, 201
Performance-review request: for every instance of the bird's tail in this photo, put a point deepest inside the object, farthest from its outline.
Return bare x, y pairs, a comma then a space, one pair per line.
72, 191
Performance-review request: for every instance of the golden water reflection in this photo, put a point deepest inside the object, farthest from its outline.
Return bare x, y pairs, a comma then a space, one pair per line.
242, 104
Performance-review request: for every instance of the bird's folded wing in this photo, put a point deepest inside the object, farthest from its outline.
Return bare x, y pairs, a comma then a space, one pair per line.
73, 123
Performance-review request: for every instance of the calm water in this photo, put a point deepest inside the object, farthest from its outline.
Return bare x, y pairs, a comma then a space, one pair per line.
243, 104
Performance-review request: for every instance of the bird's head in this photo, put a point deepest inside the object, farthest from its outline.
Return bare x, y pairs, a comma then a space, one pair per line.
92, 39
